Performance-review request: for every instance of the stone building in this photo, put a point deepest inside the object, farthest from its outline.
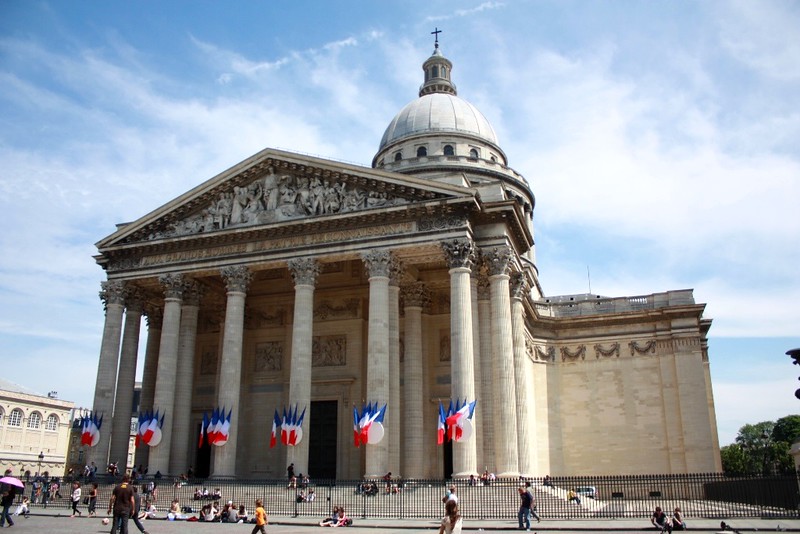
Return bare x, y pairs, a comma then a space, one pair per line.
34, 431
290, 279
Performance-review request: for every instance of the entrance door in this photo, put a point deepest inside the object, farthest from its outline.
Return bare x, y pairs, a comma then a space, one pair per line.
322, 436
202, 456
447, 449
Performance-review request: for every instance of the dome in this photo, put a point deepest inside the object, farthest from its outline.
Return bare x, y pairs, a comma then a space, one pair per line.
439, 113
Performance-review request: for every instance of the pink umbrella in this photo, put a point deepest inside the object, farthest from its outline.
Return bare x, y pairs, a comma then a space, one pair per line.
12, 481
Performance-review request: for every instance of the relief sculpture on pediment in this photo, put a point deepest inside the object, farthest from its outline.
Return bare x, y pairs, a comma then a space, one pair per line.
274, 198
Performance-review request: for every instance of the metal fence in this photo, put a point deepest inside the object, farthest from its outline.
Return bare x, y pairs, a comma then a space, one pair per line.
698, 495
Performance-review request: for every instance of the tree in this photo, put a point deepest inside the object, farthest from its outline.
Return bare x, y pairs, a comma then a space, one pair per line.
762, 448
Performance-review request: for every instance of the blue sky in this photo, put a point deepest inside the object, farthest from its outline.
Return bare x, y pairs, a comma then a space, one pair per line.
660, 139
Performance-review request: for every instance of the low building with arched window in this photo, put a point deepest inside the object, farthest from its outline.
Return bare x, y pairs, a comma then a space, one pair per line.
34, 430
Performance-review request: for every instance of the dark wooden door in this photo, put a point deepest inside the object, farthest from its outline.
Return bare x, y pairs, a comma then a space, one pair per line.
323, 432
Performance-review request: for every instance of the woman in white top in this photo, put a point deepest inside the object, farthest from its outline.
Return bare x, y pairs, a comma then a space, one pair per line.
451, 522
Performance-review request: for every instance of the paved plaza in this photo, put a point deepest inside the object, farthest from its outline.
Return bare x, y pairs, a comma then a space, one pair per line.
58, 521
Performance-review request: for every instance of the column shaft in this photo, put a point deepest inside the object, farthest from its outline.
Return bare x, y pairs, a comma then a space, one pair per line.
112, 294
230, 373
154, 318
413, 405
461, 363
393, 414
523, 398
378, 265
183, 436
304, 273
477, 420
126, 381
486, 404
164, 396
505, 416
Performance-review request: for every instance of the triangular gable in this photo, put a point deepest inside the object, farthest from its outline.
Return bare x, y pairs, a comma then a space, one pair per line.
274, 186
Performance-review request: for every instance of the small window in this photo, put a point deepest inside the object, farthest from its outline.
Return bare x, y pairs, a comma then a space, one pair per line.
435, 71
494, 159
422, 152
35, 420
398, 156
449, 151
15, 419
473, 153
52, 422
2, 417
380, 163
444, 72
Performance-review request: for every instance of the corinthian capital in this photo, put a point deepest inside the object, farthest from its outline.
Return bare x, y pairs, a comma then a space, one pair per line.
304, 271
237, 278
134, 299
112, 292
416, 295
518, 285
459, 253
192, 293
173, 285
498, 260
378, 263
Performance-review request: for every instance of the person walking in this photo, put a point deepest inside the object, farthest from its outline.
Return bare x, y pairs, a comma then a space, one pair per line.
8, 494
261, 518
76, 498
123, 505
93, 500
451, 522
526, 508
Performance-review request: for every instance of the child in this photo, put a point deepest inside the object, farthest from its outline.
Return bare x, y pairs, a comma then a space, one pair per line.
261, 518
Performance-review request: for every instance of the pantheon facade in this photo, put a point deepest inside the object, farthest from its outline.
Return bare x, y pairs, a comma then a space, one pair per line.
295, 280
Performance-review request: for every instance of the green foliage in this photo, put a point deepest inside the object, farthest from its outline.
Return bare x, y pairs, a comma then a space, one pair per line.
762, 448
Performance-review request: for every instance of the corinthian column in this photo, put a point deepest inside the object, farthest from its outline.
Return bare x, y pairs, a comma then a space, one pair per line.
112, 294
237, 280
378, 264
183, 437
505, 415
460, 256
415, 297
164, 397
126, 380
393, 415
486, 412
304, 273
524, 442
476, 365
154, 317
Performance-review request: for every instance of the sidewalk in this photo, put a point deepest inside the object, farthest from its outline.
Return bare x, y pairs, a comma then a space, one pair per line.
561, 525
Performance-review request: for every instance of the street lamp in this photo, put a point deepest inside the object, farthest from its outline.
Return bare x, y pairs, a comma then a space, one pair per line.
795, 354
41, 457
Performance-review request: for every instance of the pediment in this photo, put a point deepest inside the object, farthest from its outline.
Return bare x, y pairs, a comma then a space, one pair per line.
274, 187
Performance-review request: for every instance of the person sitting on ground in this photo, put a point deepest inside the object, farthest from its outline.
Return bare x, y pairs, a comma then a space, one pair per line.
149, 510
451, 522
24, 508
660, 520
198, 494
292, 483
175, 511
301, 497
677, 519
547, 481
573, 497
226, 510
341, 519
311, 495
331, 521
217, 495
241, 515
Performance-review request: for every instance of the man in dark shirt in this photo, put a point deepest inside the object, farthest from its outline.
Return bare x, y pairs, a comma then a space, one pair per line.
123, 504
8, 493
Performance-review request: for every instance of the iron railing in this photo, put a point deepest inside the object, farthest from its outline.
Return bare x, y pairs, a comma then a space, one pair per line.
710, 496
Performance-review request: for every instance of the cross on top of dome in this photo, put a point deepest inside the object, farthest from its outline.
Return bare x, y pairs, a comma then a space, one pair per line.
437, 71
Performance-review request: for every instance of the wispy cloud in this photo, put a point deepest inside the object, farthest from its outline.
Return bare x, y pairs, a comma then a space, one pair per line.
485, 6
